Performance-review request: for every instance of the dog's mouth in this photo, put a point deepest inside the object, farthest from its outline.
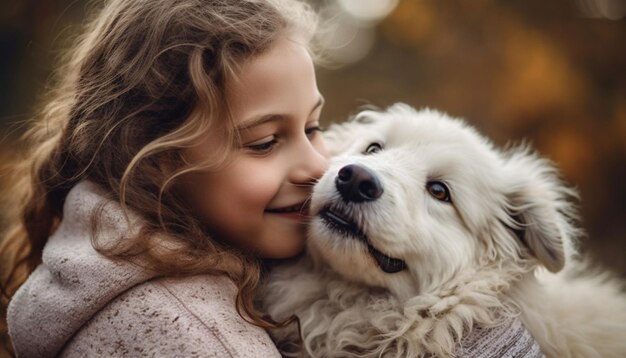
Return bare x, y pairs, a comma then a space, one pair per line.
337, 220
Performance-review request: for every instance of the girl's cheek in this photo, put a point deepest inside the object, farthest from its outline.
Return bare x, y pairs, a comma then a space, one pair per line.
261, 184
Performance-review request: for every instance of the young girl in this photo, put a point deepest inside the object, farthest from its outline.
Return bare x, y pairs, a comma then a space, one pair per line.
182, 141
177, 151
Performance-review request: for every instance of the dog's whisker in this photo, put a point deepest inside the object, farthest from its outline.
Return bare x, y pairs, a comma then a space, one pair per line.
305, 205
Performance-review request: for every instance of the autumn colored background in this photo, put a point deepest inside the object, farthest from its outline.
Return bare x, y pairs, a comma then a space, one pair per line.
552, 71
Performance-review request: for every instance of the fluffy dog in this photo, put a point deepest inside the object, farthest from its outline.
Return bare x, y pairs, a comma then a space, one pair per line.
423, 230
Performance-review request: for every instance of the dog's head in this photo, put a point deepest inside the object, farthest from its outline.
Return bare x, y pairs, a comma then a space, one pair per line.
413, 198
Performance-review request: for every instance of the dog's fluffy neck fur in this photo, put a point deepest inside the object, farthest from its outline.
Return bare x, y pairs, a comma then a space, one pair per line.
341, 316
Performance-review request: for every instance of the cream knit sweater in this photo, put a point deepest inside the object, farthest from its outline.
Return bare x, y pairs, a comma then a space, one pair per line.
78, 303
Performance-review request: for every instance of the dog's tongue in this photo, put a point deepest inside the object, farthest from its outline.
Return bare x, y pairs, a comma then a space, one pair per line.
386, 263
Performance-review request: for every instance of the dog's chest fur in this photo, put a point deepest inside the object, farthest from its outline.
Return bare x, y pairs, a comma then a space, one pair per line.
339, 318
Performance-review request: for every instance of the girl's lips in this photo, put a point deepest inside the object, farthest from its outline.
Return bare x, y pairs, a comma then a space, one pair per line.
296, 211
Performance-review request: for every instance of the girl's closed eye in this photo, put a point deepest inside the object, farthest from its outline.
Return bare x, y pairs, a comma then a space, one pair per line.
267, 144
262, 146
312, 131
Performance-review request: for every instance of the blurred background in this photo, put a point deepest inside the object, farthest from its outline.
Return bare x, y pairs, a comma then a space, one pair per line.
553, 72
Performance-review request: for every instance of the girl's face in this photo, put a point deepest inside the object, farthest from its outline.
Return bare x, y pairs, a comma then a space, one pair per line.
258, 201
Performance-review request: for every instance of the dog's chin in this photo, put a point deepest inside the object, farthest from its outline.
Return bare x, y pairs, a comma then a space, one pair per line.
342, 226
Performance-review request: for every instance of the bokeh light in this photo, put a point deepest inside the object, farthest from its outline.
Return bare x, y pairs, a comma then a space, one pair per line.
607, 9
368, 10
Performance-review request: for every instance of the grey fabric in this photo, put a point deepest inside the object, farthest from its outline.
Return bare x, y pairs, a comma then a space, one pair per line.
508, 340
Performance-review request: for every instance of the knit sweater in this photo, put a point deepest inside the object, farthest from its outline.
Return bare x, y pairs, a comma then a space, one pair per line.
78, 303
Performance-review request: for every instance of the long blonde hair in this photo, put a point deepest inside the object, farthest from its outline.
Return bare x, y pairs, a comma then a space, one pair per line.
145, 79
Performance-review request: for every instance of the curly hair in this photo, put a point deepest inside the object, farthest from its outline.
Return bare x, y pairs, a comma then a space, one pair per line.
145, 80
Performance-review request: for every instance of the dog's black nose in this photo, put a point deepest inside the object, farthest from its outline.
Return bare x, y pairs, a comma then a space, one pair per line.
356, 183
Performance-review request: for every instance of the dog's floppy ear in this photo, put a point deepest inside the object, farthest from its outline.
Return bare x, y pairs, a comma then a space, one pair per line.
540, 208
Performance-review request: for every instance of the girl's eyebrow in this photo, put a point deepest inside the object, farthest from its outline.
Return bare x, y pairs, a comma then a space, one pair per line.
258, 120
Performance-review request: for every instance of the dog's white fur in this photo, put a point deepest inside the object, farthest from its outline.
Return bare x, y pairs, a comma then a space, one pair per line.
504, 246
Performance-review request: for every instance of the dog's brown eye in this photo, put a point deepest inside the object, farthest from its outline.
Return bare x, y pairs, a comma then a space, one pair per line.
438, 190
373, 148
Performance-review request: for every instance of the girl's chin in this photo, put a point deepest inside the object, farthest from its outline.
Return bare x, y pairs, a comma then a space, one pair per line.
284, 250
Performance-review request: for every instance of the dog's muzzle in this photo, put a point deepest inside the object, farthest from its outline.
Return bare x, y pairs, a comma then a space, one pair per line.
357, 184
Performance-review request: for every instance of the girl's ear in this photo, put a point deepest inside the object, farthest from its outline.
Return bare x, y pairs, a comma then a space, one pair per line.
540, 209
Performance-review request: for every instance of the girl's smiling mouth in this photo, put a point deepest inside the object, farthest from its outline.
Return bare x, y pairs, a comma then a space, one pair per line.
299, 211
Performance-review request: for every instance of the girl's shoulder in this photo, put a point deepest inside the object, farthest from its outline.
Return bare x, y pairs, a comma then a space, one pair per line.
181, 316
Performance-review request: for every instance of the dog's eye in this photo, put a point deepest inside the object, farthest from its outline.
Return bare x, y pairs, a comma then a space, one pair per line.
438, 190
373, 148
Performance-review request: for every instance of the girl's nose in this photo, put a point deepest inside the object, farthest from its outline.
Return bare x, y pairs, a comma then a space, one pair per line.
311, 163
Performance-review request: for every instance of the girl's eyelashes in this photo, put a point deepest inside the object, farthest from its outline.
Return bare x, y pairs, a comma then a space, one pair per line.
311, 131
266, 145
263, 147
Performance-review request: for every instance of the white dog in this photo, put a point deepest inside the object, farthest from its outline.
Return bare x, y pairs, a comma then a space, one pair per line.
423, 230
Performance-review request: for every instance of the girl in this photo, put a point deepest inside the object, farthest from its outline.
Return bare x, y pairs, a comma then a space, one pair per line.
177, 150
182, 139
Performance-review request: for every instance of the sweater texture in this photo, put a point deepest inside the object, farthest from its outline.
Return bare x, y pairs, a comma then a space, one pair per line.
79, 303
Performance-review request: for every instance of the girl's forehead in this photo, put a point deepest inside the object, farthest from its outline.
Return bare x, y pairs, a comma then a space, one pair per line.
279, 80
